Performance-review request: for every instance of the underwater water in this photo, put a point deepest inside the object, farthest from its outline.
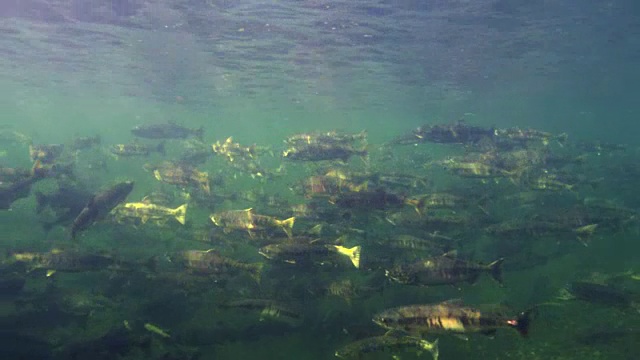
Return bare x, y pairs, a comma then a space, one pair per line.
437, 136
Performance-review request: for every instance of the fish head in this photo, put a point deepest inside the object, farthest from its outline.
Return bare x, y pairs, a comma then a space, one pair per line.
268, 251
396, 274
384, 320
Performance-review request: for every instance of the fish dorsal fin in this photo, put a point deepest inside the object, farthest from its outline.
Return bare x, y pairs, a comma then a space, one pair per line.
456, 301
146, 200
453, 254
396, 333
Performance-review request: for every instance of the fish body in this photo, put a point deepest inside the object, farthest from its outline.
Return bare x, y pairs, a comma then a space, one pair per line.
434, 201
210, 262
63, 261
326, 138
387, 343
324, 185
182, 175
319, 152
156, 330
524, 136
233, 151
443, 270
305, 253
602, 294
67, 202
128, 150
47, 154
247, 220
100, 205
409, 242
12, 136
369, 199
9, 175
85, 142
15, 191
269, 309
166, 131
474, 169
146, 211
449, 317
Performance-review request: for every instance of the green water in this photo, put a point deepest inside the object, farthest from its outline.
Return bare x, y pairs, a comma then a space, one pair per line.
262, 71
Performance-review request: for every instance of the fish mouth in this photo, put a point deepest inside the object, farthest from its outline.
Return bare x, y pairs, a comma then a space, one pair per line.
379, 322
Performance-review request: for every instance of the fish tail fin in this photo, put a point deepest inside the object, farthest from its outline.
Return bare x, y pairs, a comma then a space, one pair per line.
204, 182
161, 149
180, 213
152, 264
41, 201
287, 225
256, 271
362, 135
353, 253
364, 155
38, 170
417, 204
47, 226
496, 270
199, 133
522, 322
431, 347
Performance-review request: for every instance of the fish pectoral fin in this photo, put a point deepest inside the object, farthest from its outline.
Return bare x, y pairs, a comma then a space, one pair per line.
462, 337
451, 254
456, 301
50, 273
491, 332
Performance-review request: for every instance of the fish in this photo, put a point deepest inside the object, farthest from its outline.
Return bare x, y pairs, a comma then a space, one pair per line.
146, 211
85, 142
233, 151
301, 253
319, 152
10, 175
127, 150
269, 309
444, 269
100, 205
166, 131
211, 262
387, 343
327, 138
62, 260
156, 330
450, 317
603, 294
369, 199
17, 190
67, 202
47, 154
182, 175
247, 220
14, 137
